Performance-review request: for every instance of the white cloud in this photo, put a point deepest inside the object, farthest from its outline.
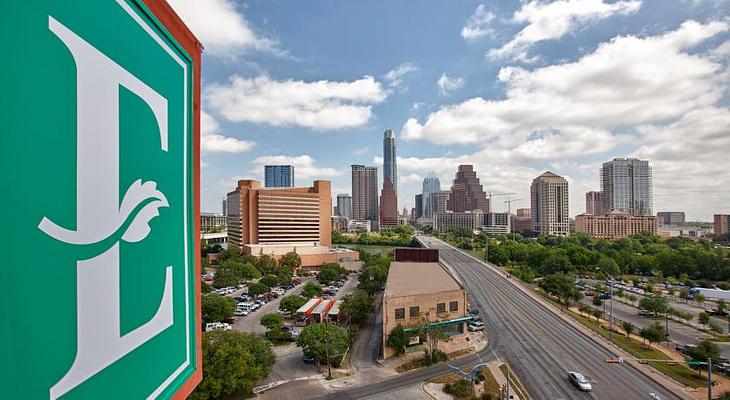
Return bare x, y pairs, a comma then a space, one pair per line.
547, 21
304, 167
447, 84
222, 28
477, 25
319, 105
407, 178
213, 142
395, 77
626, 81
652, 96
361, 151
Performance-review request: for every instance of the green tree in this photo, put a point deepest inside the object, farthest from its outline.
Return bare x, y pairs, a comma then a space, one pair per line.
372, 278
597, 313
398, 339
266, 264
704, 319
272, 320
562, 287
257, 289
291, 260
228, 273
655, 304
233, 362
715, 328
654, 333
431, 334
292, 303
274, 324
318, 340
249, 272
357, 306
704, 350
597, 301
609, 266
216, 308
269, 280
584, 309
700, 299
311, 289
721, 305
628, 327
327, 275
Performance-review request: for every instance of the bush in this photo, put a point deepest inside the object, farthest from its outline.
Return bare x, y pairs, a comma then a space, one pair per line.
438, 356
460, 388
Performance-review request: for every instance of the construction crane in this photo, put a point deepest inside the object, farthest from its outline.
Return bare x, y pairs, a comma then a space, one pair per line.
509, 215
490, 194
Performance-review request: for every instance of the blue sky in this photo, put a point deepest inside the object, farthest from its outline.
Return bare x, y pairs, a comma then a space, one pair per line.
515, 88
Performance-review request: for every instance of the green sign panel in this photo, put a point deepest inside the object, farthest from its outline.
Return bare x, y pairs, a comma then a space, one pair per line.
97, 279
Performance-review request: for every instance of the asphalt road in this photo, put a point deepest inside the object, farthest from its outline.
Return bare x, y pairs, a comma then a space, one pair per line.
538, 345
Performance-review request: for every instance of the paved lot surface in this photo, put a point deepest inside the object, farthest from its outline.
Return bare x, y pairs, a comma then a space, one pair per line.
250, 323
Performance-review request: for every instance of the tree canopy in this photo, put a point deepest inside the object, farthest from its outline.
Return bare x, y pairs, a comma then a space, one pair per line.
292, 303
216, 308
562, 287
318, 340
311, 289
232, 363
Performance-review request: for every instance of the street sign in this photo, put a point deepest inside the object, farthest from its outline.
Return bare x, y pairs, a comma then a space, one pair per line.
99, 155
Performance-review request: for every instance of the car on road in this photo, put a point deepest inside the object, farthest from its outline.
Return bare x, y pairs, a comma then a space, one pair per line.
580, 381
654, 396
645, 312
604, 296
474, 326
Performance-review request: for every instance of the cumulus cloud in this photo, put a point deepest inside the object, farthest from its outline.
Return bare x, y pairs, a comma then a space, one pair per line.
547, 21
319, 105
305, 166
446, 84
222, 28
477, 25
654, 97
626, 81
396, 76
211, 141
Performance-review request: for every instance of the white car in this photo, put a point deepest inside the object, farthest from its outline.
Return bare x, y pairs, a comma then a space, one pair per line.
475, 326
278, 291
214, 326
579, 381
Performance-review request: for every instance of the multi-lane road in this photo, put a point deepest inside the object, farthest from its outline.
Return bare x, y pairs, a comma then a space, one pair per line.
539, 346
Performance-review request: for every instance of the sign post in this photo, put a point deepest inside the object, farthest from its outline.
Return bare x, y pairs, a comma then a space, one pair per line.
99, 153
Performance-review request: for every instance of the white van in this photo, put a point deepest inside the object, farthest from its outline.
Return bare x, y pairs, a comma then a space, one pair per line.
248, 307
213, 326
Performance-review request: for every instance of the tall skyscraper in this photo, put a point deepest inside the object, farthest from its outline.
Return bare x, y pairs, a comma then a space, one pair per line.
365, 193
593, 203
418, 209
467, 193
549, 204
390, 169
225, 206
388, 206
279, 175
431, 185
344, 205
626, 184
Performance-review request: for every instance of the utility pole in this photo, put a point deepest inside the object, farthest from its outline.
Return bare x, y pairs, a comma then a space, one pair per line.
327, 351
610, 314
509, 215
709, 378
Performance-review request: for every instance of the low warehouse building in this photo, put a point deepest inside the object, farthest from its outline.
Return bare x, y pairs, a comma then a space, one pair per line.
417, 292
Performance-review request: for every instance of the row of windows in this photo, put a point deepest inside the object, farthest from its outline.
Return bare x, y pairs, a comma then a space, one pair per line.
415, 312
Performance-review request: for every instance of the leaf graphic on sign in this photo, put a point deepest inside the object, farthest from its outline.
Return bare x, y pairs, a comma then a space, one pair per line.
137, 194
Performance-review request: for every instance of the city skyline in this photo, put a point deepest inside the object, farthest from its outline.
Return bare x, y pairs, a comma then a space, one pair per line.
476, 94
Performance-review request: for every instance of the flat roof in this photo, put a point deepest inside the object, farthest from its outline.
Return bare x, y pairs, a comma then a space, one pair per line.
412, 278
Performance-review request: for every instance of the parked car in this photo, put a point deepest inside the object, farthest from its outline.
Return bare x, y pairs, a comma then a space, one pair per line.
579, 381
213, 326
590, 293
308, 359
473, 310
474, 326
604, 296
279, 291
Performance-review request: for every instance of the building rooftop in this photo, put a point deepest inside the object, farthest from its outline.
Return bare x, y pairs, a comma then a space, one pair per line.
412, 278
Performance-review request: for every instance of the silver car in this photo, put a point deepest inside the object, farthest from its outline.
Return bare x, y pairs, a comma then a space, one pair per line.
579, 381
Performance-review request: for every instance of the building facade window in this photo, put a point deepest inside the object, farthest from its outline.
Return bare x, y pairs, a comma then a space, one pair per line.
441, 308
400, 313
414, 312
454, 306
